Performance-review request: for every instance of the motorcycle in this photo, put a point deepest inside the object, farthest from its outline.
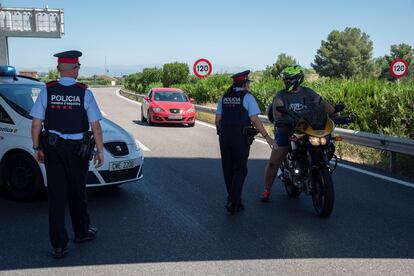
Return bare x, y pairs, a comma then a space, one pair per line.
306, 167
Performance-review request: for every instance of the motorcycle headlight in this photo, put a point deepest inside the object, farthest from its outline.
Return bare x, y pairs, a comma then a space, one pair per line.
315, 141
191, 110
157, 109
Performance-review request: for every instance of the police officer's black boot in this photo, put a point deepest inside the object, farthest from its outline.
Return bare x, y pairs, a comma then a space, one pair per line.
240, 206
59, 253
88, 236
234, 207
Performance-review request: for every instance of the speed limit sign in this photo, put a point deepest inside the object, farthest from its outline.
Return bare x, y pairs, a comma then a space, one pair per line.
399, 68
202, 68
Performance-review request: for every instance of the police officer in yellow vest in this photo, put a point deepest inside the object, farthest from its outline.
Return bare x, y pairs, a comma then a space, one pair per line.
237, 111
65, 110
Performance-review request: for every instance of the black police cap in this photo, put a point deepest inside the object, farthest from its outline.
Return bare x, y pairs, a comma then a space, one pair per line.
68, 56
241, 77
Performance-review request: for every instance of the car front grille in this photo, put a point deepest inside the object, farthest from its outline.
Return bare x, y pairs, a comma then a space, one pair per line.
174, 120
121, 175
175, 110
117, 148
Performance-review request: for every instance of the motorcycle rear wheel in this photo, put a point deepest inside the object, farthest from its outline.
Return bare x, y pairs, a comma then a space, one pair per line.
323, 196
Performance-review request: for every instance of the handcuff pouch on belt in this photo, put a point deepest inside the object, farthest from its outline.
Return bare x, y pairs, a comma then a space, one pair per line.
48, 139
250, 132
87, 146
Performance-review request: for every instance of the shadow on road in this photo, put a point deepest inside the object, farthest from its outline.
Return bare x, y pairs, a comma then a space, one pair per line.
177, 214
141, 123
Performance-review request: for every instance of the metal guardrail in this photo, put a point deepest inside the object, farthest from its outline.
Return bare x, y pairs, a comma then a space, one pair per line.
104, 85
361, 138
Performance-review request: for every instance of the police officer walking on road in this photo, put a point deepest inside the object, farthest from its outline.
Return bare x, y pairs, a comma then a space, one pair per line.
66, 109
237, 113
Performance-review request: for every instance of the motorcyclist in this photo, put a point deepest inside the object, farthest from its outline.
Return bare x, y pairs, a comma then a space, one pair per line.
296, 98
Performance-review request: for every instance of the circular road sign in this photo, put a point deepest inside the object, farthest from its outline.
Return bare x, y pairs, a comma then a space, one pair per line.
399, 68
202, 68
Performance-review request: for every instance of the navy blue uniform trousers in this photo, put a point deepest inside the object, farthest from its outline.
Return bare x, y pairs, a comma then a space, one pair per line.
234, 151
66, 181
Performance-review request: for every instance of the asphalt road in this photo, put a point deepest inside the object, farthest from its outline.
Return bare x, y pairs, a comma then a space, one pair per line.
174, 221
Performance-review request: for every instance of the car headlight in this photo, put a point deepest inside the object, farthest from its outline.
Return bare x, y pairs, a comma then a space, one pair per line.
191, 110
137, 147
157, 109
317, 141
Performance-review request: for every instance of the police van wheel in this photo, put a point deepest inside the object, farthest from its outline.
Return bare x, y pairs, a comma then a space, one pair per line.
191, 125
22, 177
142, 116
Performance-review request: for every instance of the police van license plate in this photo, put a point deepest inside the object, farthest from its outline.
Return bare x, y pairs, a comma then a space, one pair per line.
173, 117
123, 165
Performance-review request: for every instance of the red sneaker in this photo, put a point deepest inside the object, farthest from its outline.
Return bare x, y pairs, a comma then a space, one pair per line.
264, 196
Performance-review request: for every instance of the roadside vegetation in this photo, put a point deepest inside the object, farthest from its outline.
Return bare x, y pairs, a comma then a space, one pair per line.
343, 71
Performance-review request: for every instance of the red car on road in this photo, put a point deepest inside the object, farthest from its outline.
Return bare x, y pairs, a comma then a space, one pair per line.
168, 106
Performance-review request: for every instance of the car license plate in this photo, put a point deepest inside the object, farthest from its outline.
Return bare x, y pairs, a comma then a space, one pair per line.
175, 117
123, 165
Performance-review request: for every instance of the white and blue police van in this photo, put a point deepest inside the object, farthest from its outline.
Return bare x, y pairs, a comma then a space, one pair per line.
21, 177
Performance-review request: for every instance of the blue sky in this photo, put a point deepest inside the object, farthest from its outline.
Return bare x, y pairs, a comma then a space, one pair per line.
248, 34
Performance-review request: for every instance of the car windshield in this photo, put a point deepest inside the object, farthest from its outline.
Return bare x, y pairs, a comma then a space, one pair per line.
20, 97
170, 96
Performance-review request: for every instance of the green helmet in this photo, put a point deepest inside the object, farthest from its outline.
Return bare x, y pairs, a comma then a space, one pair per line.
292, 76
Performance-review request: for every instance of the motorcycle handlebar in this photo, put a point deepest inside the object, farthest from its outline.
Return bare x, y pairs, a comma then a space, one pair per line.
342, 120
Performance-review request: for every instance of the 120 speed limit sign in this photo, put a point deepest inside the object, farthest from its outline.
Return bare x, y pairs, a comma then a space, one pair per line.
202, 68
399, 68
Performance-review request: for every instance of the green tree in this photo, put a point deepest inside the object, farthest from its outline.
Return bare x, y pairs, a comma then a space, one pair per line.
174, 73
133, 82
150, 75
53, 74
345, 54
403, 51
273, 71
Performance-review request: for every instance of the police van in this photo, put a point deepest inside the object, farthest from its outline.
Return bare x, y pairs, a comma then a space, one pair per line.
21, 177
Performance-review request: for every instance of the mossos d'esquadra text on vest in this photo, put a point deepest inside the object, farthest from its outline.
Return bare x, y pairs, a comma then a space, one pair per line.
65, 100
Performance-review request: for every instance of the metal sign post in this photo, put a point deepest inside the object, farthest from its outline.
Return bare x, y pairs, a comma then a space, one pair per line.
28, 22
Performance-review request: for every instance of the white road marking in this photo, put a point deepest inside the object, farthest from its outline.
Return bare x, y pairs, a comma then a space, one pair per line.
401, 182
103, 113
125, 98
398, 181
142, 146
205, 124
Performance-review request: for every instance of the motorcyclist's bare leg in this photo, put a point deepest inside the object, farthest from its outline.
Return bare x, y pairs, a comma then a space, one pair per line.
276, 158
